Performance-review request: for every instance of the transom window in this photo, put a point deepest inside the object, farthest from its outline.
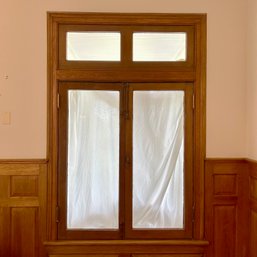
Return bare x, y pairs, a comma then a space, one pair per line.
127, 114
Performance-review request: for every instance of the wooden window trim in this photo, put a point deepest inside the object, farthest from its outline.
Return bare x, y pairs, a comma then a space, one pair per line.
188, 199
196, 75
63, 233
125, 171
126, 48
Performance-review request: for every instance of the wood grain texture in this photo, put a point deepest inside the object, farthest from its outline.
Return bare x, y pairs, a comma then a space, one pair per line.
253, 208
22, 208
24, 186
167, 255
253, 234
24, 231
86, 255
157, 247
226, 207
225, 184
4, 232
123, 255
224, 231
195, 72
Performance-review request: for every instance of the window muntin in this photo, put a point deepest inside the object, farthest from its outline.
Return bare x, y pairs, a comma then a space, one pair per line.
93, 46
93, 159
170, 47
61, 71
140, 72
159, 46
126, 112
158, 159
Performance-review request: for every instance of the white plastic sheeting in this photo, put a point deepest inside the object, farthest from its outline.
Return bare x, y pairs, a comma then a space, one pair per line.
158, 159
93, 159
93, 46
159, 46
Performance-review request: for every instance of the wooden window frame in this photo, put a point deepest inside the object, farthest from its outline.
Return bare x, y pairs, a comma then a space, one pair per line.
125, 229
126, 61
194, 72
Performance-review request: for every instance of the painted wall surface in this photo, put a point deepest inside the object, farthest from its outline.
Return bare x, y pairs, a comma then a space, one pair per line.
251, 132
23, 58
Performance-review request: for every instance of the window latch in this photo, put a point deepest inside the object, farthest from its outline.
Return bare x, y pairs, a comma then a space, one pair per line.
128, 160
57, 214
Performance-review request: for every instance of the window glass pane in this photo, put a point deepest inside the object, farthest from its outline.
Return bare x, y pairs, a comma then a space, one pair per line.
156, 47
158, 159
93, 46
93, 159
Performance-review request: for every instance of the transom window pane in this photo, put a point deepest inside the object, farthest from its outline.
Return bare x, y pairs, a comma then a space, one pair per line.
158, 159
93, 46
93, 159
158, 46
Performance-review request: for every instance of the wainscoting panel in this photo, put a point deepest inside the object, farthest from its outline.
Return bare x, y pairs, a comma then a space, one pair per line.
24, 232
226, 207
230, 209
253, 208
224, 230
22, 208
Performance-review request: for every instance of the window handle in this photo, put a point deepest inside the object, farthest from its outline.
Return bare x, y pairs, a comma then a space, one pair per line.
128, 160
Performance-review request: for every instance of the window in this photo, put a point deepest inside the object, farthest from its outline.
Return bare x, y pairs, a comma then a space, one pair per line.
93, 46
157, 47
123, 151
127, 113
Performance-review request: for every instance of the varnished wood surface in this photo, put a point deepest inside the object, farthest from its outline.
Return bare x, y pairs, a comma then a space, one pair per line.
23, 213
122, 75
226, 207
128, 255
253, 208
22, 208
126, 247
194, 72
126, 18
129, 242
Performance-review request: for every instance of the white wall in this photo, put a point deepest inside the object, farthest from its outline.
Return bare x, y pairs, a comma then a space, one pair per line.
23, 59
251, 132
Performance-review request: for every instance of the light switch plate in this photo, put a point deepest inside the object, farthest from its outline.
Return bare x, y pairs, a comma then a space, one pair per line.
6, 118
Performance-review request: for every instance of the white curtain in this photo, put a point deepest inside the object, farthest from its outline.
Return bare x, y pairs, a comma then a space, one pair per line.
93, 159
158, 159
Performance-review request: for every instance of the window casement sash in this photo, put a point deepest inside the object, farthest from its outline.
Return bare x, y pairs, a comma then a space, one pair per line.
125, 228
63, 231
161, 233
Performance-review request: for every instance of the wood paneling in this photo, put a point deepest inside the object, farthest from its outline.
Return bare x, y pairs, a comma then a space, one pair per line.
24, 232
226, 207
22, 208
253, 234
224, 230
22, 226
4, 232
225, 184
253, 208
253, 188
24, 185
